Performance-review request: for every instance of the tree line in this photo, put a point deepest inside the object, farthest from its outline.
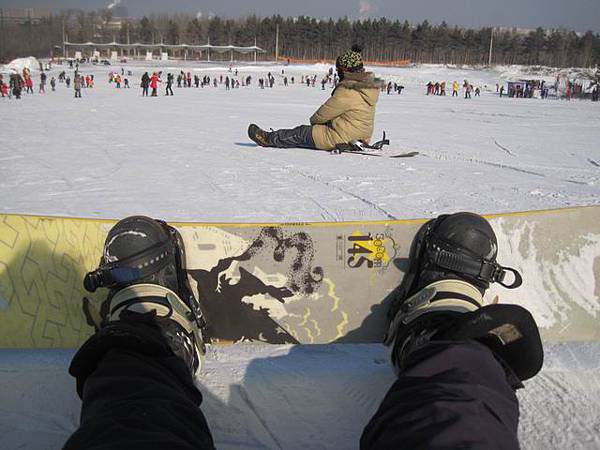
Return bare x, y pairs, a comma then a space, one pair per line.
308, 38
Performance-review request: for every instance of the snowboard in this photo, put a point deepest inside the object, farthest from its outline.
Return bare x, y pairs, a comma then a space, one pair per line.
308, 283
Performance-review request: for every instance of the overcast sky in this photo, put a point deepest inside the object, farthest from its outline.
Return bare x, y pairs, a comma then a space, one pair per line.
578, 15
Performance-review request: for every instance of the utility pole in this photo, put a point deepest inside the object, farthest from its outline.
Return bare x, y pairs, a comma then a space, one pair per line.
491, 46
63, 37
277, 43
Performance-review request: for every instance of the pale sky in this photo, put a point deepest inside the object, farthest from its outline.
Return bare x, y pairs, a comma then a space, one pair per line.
578, 15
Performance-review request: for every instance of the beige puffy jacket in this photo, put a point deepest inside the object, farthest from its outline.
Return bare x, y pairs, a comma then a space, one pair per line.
350, 112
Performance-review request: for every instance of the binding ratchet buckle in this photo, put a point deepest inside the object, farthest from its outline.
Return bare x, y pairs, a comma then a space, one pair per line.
479, 268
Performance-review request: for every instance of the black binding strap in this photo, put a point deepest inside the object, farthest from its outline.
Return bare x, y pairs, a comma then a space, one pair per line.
379, 144
130, 269
482, 269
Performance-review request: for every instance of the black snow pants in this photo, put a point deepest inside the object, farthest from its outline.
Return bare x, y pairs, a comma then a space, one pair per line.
300, 137
456, 395
132, 399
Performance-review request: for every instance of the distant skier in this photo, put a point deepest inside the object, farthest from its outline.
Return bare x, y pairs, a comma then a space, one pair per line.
43, 78
29, 84
154, 84
347, 116
455, 87
53, 84
77, 84
145, 84
468, 88
169, 90
4, 88
16, 85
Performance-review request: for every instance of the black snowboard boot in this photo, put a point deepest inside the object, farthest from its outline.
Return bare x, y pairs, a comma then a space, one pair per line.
143, 266
260, 136
452, 263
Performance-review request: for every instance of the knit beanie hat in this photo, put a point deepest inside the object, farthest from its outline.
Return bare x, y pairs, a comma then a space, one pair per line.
351, 60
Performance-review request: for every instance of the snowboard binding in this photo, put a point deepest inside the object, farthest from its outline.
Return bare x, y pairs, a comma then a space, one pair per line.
360, 146
452, 263
143, 266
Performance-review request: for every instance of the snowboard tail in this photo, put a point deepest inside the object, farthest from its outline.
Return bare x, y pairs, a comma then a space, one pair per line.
292, 283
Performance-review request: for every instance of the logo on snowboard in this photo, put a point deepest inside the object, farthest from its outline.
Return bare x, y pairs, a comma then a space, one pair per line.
366, 250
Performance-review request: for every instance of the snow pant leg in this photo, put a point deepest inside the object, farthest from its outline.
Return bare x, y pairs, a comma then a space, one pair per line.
132, 400
456, 396
300, 136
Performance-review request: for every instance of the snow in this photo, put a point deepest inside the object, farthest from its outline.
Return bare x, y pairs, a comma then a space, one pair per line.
17, 65
187, 157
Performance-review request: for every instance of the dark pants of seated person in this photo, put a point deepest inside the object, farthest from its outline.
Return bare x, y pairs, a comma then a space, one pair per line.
456, 396
299, 137
136, 399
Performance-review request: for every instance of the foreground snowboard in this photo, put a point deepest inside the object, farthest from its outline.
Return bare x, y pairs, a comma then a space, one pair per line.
293, 283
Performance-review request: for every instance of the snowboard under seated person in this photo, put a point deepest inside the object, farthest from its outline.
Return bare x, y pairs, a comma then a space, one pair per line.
347, 116
458, 361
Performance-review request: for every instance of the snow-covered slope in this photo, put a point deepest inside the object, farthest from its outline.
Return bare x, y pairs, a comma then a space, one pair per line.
187, 157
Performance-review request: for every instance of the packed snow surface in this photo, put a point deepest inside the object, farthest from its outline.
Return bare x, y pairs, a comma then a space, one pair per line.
187, 157
114, 153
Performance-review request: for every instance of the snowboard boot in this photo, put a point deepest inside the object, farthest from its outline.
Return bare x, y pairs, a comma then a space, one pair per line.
143, 267
260, 136
452, 263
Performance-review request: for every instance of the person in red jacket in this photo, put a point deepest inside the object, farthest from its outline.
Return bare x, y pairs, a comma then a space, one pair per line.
29, 84
154, 84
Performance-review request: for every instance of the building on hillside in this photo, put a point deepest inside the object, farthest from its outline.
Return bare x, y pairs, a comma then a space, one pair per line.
119, 15
24, 15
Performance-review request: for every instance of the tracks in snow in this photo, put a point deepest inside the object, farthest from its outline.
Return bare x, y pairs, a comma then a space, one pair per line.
364, 200
469, 159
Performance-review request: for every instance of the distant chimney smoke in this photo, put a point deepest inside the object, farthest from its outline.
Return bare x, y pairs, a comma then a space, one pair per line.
113, 4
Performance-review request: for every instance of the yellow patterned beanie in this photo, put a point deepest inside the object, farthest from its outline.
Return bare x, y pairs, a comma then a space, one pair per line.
350, 61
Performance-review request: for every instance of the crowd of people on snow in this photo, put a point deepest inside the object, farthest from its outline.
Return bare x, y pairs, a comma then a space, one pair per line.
439, 88
20, 83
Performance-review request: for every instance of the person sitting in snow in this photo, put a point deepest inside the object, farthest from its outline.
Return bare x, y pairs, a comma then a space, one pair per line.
347, 116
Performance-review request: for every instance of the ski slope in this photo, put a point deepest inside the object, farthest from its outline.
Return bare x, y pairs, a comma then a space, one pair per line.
187, 157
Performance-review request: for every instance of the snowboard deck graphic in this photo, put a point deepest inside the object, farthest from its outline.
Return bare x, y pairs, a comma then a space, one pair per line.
293, 282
